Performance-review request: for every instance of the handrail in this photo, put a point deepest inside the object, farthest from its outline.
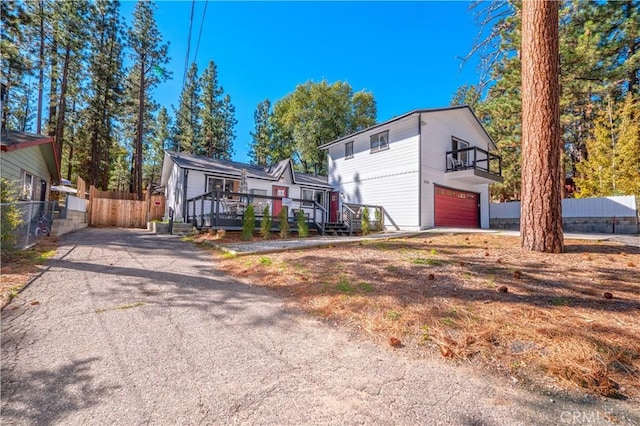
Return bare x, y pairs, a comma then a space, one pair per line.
454, 164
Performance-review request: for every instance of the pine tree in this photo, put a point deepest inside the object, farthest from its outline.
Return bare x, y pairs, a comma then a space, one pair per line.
16, 111
228, 120
188, 118
149, 54
72, 37
541, 223
104, 94
211, 104
159, 142
260, 152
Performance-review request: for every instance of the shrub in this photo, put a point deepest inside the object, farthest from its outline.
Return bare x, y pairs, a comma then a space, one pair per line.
284, 222
10, 217
364, 222
265, 226
303, 226
248, 223
378, 215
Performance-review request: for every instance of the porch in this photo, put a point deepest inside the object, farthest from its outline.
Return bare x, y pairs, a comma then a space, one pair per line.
225, 210
473, 165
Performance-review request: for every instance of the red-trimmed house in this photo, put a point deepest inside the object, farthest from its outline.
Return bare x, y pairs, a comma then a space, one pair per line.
30, 161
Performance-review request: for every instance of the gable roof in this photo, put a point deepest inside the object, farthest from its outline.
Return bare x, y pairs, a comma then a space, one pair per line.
228, 168
13, 140
408, 114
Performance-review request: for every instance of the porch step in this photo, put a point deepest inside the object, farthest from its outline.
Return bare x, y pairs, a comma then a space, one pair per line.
336, 228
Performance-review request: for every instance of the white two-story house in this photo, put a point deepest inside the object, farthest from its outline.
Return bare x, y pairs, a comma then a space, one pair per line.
426, 168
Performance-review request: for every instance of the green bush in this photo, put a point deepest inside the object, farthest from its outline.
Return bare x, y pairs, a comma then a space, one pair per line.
265, 226
378, 214
284, 222
248, 223
364, 222
10, 216
303, 226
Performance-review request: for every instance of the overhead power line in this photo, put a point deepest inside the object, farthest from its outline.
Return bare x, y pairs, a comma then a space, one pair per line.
186, 58
204, 11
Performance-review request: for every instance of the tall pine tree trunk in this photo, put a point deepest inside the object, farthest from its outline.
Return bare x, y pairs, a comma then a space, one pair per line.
541, 209
137, 168
632, 46
63, 103
53, 89
41, 68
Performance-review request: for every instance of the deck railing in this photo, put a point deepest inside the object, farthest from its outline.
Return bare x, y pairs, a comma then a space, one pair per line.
225, 209
473, 158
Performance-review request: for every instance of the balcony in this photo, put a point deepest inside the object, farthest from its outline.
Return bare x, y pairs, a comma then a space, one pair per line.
474, 165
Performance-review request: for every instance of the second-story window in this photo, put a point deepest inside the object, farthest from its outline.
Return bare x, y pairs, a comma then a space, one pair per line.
348, 150
380, 141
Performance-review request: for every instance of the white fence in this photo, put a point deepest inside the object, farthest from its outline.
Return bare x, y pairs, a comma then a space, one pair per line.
75, 203
607, 207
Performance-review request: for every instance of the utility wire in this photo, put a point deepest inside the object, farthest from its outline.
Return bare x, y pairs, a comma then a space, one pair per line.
195, 57
186, 59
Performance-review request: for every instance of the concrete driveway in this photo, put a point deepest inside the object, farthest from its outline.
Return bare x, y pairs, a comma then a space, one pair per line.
125, 327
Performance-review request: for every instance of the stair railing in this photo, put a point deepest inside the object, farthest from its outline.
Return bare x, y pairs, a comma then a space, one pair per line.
348, 214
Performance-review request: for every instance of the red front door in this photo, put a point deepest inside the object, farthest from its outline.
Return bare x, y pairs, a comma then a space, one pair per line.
334, 207
282, 192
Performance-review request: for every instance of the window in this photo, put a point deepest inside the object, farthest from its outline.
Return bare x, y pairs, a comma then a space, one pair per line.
312, 195
28, 187
219, 184
380, 141
457, 144
348, 150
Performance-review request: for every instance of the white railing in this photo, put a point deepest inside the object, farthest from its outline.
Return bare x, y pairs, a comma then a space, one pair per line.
75, 203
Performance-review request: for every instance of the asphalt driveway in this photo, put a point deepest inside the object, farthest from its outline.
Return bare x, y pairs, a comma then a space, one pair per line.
126, 327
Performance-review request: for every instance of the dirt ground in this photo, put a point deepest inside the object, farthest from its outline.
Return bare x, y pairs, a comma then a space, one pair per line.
556, 321
17, 268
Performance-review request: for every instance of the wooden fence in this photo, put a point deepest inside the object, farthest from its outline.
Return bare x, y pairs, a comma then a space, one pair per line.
122, 210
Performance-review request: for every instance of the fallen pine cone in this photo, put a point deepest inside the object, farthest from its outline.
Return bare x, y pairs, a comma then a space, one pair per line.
394, 342
461, 263
503, 289
608, 295
486, 254
431, 277
517, 274
499, 261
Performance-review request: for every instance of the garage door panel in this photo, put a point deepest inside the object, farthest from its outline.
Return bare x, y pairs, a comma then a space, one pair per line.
456, 208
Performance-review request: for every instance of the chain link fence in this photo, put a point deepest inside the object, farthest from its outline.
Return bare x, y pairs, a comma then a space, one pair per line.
36, 221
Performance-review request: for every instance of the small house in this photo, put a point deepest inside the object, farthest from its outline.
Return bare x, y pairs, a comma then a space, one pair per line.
197, 187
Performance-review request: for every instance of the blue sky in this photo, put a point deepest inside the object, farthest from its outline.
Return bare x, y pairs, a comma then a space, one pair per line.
405, 53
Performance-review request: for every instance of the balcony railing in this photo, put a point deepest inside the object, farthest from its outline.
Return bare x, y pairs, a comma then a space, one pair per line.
474, 158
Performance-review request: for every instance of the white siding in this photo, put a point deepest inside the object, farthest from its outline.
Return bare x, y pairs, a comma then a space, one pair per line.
436, 141
388, 178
